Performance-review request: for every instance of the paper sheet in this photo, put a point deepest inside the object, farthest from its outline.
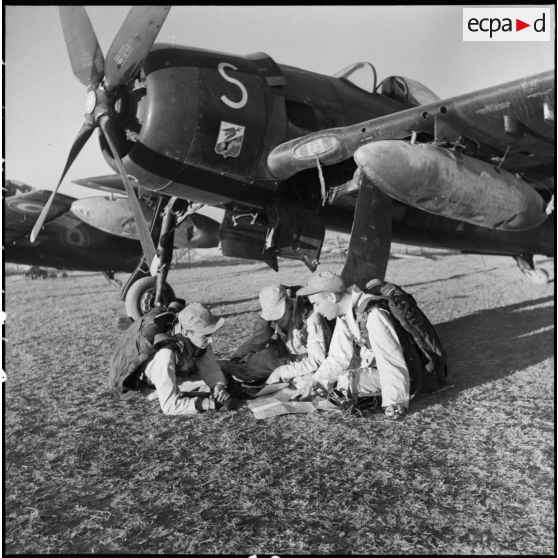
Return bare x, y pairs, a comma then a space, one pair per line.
266, 407
273, 400
271, 388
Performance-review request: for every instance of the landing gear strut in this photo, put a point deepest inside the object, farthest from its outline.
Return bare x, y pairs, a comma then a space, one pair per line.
370, 241
175, 212
142, 290
538, 276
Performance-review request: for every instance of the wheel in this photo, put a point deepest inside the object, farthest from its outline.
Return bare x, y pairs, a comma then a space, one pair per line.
538, 276
140, 297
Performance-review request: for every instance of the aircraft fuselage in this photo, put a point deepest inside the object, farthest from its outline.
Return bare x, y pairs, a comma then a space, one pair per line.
209, 121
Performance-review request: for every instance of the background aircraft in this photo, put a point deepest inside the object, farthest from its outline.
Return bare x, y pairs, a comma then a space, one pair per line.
88, 234
288, 152
65, 242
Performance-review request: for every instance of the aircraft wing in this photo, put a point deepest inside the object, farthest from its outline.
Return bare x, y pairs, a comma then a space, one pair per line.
112, 183
511, 124
114, 216
199, 230
486, 158
14, 187
21, 211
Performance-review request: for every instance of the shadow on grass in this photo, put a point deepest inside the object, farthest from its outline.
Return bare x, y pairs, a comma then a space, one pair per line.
486, 270
238, 301
213, 263
264, 267
492, 344
424, 255
113, 293
233, 314
290, 264
458, 276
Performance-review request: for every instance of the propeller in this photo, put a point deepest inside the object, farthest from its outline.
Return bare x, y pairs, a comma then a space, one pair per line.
143, 230
85, 53
133, 42
125, 57
83, 135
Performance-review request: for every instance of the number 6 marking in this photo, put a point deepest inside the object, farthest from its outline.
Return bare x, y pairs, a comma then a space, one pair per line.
228, 102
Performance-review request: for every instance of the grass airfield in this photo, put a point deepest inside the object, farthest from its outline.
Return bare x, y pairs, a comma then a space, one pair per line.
470, 470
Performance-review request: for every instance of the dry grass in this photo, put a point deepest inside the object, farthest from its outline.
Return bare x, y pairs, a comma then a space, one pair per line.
470, 471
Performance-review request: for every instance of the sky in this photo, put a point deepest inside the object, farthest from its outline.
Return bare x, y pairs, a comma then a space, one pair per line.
44, 101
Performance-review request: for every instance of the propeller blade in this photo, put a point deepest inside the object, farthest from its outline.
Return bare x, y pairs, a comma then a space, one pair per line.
146, 240
133, 42
83, 135
85, 53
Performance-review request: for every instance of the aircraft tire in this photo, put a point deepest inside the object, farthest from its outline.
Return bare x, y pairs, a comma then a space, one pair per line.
140, 297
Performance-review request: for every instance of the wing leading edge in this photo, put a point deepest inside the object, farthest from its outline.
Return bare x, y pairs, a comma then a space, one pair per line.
510, 124
478, 158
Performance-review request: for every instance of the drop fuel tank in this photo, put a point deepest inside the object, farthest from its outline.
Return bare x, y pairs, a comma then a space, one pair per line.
448, 183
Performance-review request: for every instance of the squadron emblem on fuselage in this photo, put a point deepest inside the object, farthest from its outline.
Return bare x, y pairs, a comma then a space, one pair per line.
229, 141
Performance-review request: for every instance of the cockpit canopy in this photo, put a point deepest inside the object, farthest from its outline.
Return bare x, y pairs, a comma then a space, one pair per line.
406, 91
361, 74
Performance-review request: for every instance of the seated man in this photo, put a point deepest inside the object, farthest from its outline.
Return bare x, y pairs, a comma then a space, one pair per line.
289, 340
383, 368
192, 358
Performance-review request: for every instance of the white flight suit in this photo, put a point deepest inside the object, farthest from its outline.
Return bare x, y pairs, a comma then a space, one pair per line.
161, 373
311, 354
382, 369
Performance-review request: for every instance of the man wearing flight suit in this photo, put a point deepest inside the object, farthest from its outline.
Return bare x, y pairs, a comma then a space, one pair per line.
289, 340
192, 359
383, 369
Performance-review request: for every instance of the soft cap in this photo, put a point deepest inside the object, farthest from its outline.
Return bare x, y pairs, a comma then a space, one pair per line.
198, 318
322, 282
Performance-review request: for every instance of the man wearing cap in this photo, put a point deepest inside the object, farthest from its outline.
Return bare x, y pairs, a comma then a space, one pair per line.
383, 368
289, 340
192, 358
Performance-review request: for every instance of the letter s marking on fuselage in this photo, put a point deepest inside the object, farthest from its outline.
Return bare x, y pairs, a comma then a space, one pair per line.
233, 104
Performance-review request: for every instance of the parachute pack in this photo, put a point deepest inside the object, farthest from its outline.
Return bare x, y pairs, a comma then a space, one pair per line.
137, 345
424, 353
